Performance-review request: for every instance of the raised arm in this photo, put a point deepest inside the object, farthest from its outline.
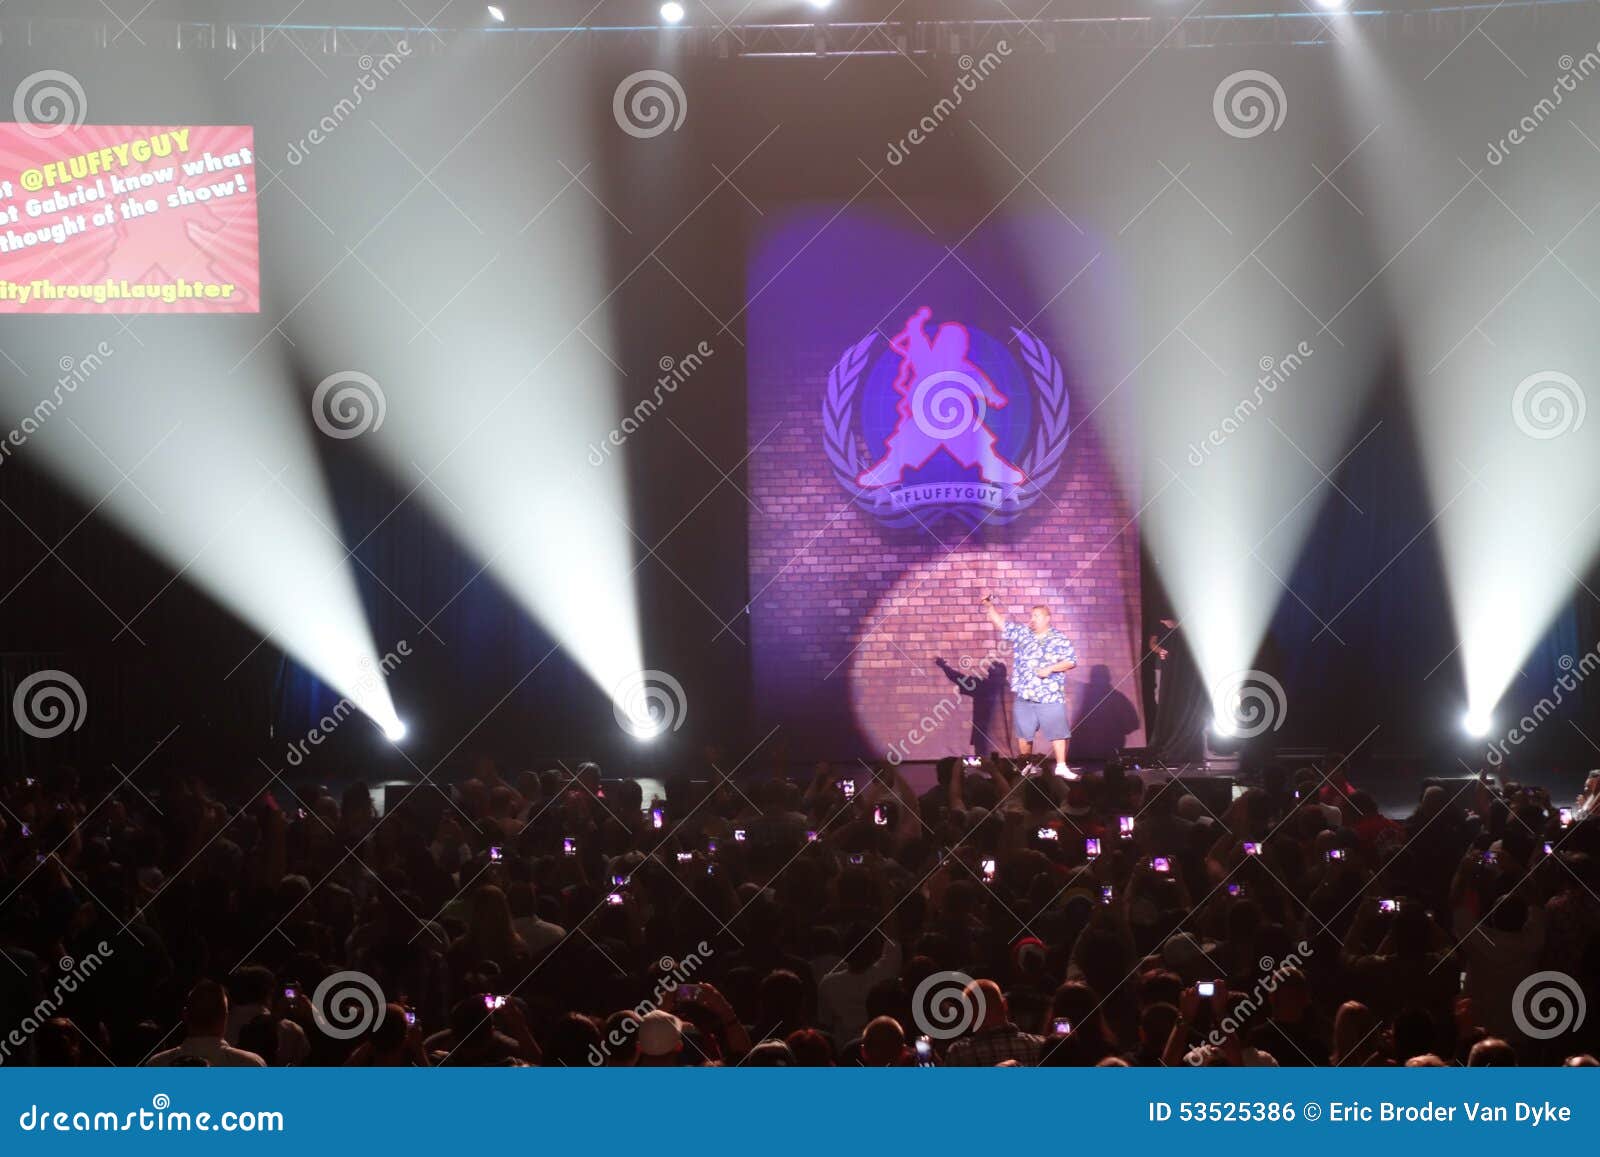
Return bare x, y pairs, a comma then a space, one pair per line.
995, 617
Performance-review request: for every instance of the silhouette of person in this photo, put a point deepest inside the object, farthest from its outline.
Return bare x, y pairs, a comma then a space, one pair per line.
943, 400
985, 685
1107, 716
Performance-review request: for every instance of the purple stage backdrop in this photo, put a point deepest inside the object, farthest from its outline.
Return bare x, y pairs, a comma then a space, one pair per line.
920, 435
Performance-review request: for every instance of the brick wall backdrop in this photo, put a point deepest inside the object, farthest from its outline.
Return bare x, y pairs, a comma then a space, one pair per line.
847, 615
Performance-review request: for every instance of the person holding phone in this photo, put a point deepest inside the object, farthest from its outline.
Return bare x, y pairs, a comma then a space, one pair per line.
1589, 798
1042, 656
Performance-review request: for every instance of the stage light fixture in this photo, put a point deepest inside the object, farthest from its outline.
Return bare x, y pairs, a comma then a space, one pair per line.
671, 12
395, 730
1477, 724
1223, 725
497, 14
821, 5
1331, 5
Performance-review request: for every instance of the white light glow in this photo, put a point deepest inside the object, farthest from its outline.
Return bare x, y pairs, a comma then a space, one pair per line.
671, 13
501, 400
1499, 367
497, 14
221, 484
1226, 403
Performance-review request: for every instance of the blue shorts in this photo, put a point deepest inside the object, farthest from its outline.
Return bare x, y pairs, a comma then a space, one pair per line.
1050, 718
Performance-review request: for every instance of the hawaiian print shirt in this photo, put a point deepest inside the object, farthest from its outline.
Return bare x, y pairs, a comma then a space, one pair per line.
1035, 651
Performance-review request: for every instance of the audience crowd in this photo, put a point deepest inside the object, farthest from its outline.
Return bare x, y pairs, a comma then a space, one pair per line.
1001, 917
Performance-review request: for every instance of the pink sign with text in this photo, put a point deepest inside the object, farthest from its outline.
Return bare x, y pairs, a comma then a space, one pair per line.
120, 219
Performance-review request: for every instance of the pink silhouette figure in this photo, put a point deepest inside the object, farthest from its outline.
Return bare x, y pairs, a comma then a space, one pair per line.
943, 400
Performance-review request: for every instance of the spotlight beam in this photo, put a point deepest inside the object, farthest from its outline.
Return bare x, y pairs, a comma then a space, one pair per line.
222, 486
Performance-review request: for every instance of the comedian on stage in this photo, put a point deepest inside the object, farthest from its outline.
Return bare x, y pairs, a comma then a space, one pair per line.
1043, 656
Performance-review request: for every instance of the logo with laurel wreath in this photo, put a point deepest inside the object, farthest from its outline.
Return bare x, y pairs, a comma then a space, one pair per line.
945, 420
